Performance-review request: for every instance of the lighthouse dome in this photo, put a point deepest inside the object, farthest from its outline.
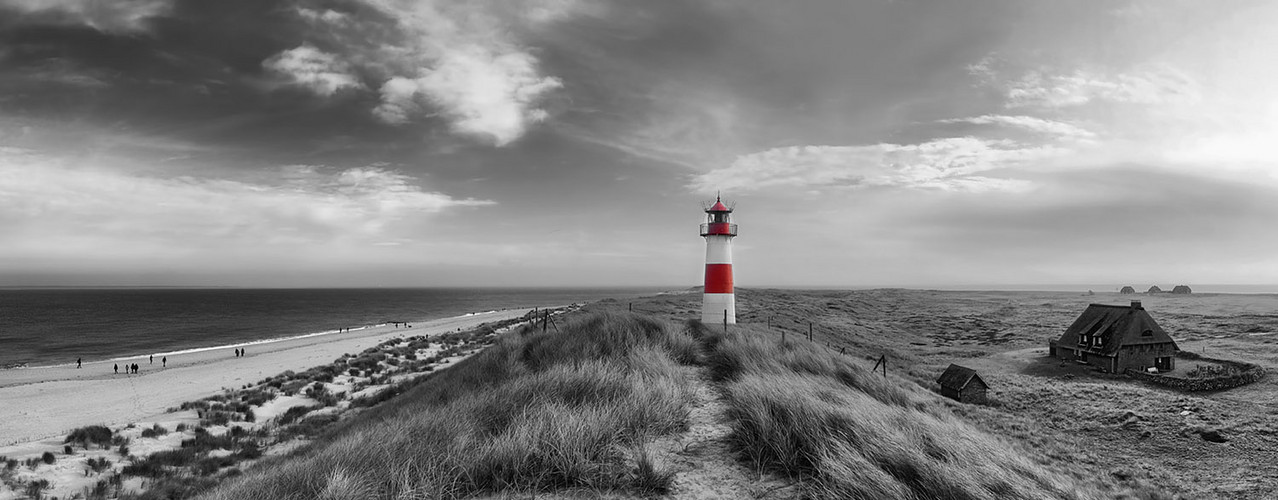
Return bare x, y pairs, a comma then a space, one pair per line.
717, 207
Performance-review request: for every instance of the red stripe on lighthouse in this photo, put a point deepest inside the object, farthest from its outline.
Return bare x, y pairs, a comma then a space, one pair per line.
718, 278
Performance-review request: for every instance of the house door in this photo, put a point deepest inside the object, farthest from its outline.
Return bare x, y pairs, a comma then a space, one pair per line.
1162, 364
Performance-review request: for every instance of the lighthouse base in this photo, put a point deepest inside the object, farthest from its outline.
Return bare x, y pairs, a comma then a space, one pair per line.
714, 304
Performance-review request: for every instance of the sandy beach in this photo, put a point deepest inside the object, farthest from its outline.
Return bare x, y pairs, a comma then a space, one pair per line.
46, 402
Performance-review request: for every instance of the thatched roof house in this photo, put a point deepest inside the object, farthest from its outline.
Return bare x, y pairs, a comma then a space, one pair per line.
1127, 289
1155, 289
962, 384
1182, 289
1116, 338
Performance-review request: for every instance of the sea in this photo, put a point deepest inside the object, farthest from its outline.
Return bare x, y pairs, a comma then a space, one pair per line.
55, 326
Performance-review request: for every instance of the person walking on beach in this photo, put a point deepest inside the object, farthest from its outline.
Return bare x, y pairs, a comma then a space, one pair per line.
152, 358
77, 362
164, 362
117, 368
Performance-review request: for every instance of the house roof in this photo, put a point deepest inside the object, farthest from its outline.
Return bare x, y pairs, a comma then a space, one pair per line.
957, 377
1117, 326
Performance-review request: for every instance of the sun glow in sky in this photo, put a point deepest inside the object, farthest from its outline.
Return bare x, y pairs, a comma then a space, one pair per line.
567, 142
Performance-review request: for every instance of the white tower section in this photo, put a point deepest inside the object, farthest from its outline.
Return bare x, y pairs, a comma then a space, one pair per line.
719, 303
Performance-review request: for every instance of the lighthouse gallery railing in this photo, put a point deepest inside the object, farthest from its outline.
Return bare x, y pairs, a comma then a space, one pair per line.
724, 228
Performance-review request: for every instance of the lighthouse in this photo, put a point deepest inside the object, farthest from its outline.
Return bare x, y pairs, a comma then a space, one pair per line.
718, 304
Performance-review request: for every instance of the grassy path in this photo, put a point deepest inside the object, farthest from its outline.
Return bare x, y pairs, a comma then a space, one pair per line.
702, 457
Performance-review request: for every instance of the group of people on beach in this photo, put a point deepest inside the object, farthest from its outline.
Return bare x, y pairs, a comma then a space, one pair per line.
239, 353
133, 368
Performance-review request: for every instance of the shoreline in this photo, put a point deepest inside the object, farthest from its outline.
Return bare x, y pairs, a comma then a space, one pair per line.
47, 402
4, 370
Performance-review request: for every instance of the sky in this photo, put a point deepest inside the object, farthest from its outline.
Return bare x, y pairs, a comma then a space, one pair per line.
572, 143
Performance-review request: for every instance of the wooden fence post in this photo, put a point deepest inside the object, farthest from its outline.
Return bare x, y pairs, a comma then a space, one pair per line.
882, 361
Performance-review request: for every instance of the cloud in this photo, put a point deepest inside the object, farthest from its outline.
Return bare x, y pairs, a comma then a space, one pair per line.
319, 71
117, 16
481, 92
1217, 123
326, 15
97, 209
1049, 87
399, 100
1055, 129
1055, 87
60, 71
463, 61
946, 164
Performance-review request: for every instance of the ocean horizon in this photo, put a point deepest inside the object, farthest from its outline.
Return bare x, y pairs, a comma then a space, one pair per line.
42, 326
56, 325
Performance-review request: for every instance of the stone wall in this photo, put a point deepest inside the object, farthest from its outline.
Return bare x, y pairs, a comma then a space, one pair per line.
1250, 373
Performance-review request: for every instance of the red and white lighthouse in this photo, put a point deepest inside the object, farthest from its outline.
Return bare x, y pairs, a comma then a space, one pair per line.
718, 304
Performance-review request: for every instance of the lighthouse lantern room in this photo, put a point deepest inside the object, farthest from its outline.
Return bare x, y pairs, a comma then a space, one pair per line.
718, 304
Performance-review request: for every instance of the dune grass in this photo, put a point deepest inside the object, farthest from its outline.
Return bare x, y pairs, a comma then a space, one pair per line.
804, 412
539, 412
534, 412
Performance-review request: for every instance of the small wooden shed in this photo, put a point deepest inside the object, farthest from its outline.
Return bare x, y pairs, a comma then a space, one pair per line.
962, 384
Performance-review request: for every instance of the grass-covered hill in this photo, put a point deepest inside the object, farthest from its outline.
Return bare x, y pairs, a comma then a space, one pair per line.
533, 412
577, 412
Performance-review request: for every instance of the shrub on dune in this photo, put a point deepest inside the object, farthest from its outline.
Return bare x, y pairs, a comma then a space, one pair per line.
95, 434
155, 431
